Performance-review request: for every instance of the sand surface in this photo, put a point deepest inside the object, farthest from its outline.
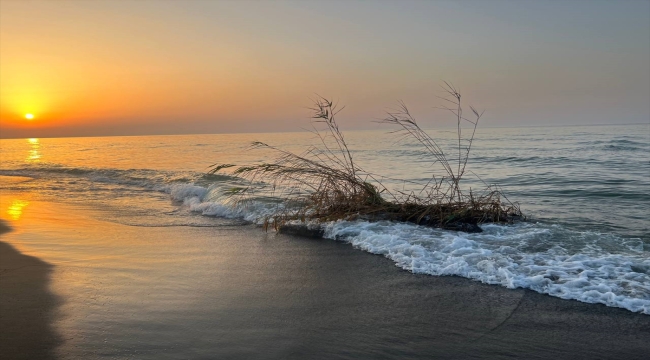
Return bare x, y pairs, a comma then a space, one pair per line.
26, 305
75, 287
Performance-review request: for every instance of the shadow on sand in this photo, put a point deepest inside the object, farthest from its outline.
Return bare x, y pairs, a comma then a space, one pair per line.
26, 305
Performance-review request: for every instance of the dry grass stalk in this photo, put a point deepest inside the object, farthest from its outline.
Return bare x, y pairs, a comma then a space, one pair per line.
324, 183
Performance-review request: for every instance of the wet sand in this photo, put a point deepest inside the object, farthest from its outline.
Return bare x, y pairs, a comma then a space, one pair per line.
26, 305
233, 292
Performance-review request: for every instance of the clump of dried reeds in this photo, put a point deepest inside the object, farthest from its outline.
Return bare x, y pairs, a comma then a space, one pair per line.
324, 183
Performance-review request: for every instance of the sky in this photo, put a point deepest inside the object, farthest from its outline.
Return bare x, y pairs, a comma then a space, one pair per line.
98, 68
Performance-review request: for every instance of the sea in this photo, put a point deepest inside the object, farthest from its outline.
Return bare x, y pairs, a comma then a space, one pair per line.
585, 192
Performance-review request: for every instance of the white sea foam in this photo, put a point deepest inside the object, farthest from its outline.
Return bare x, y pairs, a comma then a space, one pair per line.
209, 202
581, 265
182, 192
522, 256
545, 258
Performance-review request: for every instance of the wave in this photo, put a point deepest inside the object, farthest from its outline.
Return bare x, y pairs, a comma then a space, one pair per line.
145, 178
614, 147
211, 202
586, 266
500, 256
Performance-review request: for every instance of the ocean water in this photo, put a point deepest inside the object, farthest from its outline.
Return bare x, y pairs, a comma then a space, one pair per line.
584, 190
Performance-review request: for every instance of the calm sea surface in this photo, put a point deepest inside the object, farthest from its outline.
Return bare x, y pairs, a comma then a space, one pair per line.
585, 190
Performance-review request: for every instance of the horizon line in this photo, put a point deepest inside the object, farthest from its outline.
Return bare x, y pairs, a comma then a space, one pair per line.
305, 130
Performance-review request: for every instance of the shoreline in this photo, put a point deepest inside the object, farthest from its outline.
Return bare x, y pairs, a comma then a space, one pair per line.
238, 292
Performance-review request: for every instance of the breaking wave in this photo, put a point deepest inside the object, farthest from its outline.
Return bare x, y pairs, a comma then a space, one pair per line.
586, 266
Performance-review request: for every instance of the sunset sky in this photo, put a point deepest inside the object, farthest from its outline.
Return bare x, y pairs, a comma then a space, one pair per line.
93, 68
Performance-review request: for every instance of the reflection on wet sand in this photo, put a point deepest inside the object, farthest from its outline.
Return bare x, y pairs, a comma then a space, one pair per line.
27, 305
15, 209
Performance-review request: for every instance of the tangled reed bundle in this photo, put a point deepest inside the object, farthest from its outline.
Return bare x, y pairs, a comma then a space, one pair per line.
323, 183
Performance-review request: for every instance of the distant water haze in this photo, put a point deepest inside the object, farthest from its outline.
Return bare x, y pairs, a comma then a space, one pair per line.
97, 68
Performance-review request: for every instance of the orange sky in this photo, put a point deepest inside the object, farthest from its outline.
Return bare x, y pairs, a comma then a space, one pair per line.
87, 68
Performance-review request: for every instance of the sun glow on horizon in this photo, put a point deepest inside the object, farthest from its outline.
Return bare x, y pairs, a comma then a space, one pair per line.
29, 116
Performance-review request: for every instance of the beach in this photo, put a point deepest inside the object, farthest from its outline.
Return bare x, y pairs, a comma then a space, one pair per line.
77, 287
324, 179
26, 305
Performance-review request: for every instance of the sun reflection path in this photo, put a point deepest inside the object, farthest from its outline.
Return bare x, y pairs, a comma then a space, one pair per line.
15, 210
34, 151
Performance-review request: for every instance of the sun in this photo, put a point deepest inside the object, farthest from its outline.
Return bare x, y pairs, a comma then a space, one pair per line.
29, 116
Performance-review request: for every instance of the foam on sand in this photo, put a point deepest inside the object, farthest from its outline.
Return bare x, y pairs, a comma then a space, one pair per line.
580, 265
519, 256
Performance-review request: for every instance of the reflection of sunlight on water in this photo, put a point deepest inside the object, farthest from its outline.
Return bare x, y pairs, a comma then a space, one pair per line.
15, 210
34, 151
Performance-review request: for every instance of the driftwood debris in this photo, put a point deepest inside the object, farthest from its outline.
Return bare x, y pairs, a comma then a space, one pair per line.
325, 183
